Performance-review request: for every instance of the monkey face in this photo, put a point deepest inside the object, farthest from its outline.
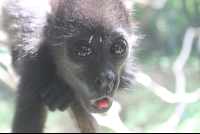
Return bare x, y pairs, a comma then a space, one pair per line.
91, 64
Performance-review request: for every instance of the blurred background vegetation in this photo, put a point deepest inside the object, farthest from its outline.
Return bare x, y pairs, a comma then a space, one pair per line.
163, 24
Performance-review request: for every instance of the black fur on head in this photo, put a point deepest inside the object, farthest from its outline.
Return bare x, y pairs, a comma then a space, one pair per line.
95, 16
92, 15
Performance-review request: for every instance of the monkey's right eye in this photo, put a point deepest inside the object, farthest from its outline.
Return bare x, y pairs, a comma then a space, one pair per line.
83, 50
118, 48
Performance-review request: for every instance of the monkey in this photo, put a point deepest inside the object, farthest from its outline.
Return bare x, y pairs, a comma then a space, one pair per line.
66, 51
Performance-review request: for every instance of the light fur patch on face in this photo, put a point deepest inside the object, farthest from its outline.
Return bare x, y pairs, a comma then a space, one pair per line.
91, 38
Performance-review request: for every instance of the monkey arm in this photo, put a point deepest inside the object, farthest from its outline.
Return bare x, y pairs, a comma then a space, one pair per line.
30, 114
39, 86
58, 95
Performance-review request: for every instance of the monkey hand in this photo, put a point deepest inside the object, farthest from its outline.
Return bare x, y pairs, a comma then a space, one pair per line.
58, 96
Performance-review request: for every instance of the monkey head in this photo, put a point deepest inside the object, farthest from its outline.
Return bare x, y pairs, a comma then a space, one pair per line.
90, 53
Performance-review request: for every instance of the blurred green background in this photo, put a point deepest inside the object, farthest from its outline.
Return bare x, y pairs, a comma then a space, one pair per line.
162, 23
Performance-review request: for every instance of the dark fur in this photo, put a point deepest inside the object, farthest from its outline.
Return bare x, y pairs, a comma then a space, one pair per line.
33, 34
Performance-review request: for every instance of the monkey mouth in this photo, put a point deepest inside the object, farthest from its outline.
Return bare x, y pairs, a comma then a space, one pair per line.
102, 104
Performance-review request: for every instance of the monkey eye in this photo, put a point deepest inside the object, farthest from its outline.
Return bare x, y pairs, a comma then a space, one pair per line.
83, 50
118, 48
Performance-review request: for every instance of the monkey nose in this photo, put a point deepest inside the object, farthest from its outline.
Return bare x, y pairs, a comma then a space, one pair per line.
106, 91
105, 83
104, 80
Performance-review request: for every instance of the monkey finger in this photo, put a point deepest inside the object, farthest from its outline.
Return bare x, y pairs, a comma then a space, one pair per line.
62, 100
52, 108
51, 96
46, 91
55, 103
67, 103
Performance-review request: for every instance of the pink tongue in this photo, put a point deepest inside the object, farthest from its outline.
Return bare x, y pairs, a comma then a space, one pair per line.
102, 103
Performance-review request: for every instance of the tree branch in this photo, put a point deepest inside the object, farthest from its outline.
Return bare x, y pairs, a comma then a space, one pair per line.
85, 121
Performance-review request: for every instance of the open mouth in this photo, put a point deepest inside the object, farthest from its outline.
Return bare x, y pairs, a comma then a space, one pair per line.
102, 104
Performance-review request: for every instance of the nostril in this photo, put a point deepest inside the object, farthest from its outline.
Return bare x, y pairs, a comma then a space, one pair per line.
111, 79
99, 82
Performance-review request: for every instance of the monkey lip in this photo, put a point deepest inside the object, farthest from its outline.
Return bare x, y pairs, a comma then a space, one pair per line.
102, 103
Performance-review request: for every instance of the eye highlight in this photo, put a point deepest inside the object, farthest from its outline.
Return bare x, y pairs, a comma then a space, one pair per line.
83, 50
118, 48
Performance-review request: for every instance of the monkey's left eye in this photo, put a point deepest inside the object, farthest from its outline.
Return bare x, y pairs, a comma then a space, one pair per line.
118, 48
83, 50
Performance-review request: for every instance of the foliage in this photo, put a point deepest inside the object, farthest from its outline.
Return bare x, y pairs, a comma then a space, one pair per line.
164, 28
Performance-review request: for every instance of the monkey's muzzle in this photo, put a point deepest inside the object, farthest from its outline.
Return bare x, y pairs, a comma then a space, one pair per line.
102, 103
